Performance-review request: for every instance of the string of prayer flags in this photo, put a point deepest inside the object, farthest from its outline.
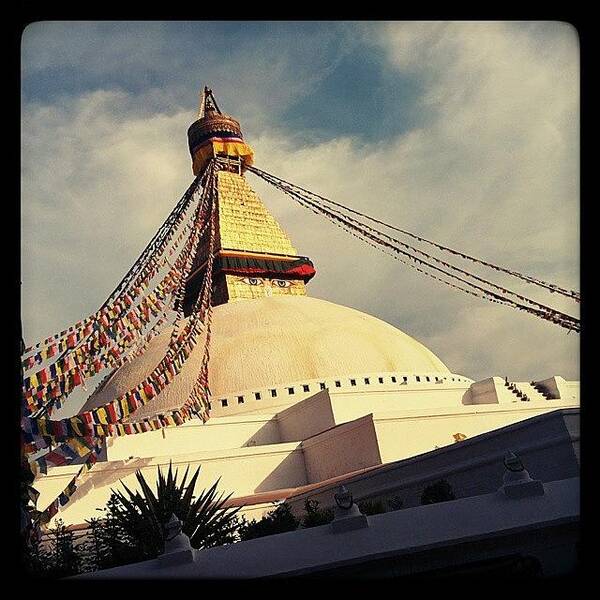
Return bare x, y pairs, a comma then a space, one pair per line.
111, 337
143, 269
111, 413
69, 490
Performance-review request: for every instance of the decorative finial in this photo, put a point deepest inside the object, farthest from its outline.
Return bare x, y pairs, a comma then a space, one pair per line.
207, 103
343, 498
172, 528
347, 515
516, 482
216, 134
178, 548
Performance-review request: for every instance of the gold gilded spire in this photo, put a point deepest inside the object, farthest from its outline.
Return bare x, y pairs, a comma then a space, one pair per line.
255, 257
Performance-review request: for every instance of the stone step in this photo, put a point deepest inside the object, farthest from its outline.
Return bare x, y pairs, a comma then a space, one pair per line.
531, 392
511, 386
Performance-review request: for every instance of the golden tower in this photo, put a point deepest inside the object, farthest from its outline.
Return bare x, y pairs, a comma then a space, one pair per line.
254, 256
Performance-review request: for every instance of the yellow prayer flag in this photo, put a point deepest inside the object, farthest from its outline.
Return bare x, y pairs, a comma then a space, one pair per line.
77, 426
101, 413
124, 406
79, 446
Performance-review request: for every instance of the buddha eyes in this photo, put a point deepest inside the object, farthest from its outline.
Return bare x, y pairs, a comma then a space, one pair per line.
252, 280
281, 283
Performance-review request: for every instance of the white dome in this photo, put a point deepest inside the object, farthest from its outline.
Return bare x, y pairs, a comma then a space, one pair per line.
272, 341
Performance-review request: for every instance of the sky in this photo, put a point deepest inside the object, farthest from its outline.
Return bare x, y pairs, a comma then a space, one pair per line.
463, 132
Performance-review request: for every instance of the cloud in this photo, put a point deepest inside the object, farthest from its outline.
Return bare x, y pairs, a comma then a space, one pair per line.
493, 171
258, 69
90, 201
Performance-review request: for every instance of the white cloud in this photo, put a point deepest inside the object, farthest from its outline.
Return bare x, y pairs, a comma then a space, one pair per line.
166, 64
494, 173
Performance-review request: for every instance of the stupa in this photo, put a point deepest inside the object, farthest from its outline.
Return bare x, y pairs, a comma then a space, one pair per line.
303, 391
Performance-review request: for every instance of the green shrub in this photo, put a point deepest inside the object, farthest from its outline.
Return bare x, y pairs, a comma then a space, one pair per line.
279, 520
440, 491
205, 519
132, 528
314, 516
372, 507
395, 503
63, 557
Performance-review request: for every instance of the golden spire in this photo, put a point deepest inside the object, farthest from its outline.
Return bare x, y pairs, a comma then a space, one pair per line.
254, 258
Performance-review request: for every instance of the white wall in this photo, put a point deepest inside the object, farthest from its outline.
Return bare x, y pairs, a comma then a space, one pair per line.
216, 434
261, 452
351, 405
303, 420
402, 436
345, 448
243, 471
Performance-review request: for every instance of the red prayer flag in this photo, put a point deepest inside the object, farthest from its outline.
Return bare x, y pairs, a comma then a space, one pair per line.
110, 409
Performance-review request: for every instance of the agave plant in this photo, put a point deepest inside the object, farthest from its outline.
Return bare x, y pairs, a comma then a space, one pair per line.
142, 515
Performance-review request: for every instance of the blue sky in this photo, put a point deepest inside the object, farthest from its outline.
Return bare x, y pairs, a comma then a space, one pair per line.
335, 66
464, 132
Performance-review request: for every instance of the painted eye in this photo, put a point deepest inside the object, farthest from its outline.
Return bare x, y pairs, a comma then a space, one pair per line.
282, 283
252, 280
